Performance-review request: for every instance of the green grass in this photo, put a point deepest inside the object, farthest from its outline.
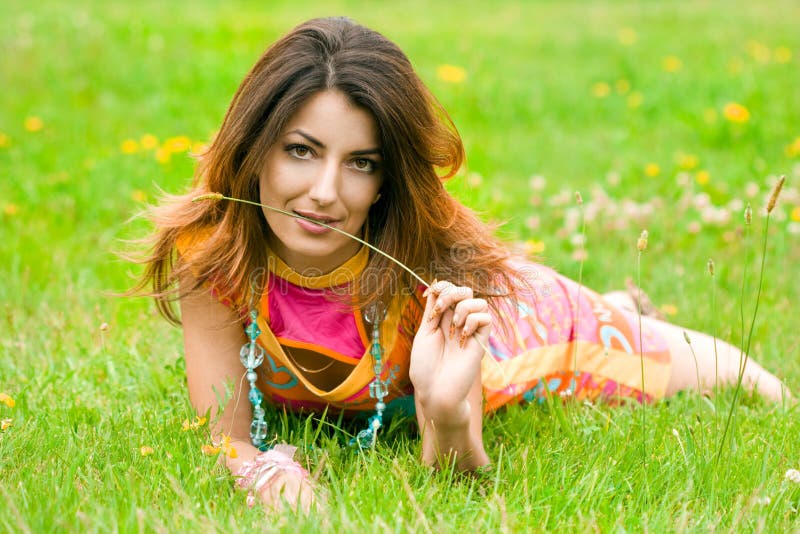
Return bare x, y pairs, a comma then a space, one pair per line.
97, 73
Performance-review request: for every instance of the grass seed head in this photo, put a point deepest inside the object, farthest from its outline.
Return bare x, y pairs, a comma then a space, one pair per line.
686, 337
748, 215
641, 244
710, 266
208, 196
578, 198
776, 191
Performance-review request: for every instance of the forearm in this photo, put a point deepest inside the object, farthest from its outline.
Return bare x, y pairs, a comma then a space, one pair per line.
452, 431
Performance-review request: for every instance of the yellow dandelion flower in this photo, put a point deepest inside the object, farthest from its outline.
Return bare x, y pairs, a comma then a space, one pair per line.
10, 209
735, 112
146, 451
652, 170
148, 142
533, 247
194, 425
137, 195
635, 99
622, 86
231, 452
783, 54
177, 144
5, 140
198, 148
702, 177
163, 155
451, 73
669, 309
33, 124
687, 162
793, 149
671, 64
795, 215
209, 450
758, 51
600, 89
7, 400
735, 66
626, 36
6, 424
129, 146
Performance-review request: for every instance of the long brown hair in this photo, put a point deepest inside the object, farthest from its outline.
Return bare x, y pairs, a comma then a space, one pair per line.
415, 220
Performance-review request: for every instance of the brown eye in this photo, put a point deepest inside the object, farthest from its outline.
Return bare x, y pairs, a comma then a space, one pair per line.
363, 164
301, 151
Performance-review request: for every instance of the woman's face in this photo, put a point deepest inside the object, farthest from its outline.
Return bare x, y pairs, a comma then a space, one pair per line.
325, 165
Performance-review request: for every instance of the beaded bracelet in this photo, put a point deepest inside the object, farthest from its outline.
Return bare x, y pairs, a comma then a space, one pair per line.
260, 473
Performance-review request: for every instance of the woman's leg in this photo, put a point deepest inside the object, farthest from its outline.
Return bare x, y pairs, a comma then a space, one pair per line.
720, 366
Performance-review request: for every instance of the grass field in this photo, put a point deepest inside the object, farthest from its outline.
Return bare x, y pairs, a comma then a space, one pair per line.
669, 116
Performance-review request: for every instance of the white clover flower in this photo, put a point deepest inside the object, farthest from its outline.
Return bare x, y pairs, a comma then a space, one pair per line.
792, 475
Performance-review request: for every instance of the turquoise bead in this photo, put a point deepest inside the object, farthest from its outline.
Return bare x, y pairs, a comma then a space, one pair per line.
258, 431
255, 396
252, 330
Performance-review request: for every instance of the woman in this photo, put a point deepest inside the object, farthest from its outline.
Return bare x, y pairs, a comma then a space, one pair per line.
333, 128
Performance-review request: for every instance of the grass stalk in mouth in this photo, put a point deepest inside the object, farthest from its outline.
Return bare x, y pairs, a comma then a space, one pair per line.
220, 196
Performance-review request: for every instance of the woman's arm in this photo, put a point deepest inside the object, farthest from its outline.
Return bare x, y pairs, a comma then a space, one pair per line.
213, 336
445, 371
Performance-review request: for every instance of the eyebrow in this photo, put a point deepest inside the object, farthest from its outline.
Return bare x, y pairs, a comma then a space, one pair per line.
320, 144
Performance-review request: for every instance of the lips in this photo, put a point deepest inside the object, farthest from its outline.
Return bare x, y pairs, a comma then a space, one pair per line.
317, 217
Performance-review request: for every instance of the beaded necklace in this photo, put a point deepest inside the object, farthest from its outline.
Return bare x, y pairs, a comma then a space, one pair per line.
252, 356
378, 389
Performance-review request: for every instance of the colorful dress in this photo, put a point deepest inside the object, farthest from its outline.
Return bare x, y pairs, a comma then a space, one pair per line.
541, 344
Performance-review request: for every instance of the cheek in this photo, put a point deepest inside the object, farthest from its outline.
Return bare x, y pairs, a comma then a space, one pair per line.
275, 187
362, 198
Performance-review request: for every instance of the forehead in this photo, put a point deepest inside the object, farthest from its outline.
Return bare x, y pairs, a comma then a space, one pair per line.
331, 117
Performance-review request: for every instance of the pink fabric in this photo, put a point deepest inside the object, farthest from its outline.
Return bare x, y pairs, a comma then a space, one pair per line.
301, 314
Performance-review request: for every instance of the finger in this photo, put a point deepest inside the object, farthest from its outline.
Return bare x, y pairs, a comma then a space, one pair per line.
429, 322
467, 306
451, 295
475, 322
306, 497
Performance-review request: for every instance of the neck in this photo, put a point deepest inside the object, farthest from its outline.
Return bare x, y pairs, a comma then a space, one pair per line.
311, 266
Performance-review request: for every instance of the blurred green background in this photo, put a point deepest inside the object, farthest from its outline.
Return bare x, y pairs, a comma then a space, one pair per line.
670, 116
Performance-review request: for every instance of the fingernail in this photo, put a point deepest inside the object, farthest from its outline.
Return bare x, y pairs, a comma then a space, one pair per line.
462, 340
455, 319
434, 314
452, 330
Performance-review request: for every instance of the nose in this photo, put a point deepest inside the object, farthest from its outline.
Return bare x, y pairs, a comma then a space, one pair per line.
324, 190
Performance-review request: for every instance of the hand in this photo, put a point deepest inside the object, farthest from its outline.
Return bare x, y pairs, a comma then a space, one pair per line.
278, 481
292, 490
447, 351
